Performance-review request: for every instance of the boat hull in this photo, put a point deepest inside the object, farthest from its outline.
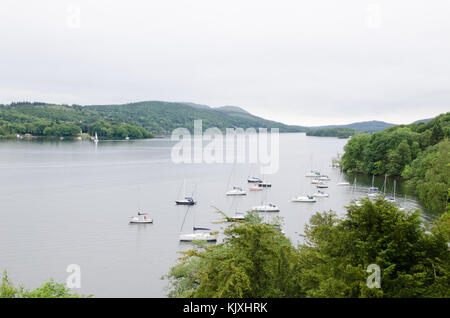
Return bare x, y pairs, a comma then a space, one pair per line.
265, 208
184, 203
207, 237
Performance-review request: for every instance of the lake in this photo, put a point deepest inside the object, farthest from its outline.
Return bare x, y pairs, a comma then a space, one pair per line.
67, 203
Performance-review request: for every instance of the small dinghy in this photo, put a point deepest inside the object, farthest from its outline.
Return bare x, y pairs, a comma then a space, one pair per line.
312, 174
254, 180
236, 191
186, 201
264, 185
141, 218
324, 178
319, 194
266, 208
200, 236
343, 184
307, 198
321, 186
316, 181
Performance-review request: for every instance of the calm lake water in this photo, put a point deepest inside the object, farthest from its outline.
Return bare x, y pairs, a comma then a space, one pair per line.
67, 203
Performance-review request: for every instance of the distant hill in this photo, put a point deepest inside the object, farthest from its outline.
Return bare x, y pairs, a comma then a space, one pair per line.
364, 126
425, 121
156, 117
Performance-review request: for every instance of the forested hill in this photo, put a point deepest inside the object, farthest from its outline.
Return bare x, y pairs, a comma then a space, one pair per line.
364, 126
162, 117
345, 131
419, 153
135, 120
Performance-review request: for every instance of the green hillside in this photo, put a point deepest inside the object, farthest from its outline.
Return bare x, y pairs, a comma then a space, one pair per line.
135, 120
419, 153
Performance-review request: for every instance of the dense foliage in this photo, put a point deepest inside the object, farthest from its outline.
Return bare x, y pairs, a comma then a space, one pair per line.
332, 132
49, 289
256, 260
138, 120
418, 152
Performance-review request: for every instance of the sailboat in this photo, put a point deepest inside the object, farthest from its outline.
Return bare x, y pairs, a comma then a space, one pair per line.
342, 183
235, 190
195, 235
373, 191
95, 140
189, 200
389, 198
141, 218
320, 194
312, 173
304, 198
270, 207
254, 180
308, 198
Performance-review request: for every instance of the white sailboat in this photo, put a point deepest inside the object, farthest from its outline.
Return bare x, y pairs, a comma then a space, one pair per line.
320, 194
308, 198
236, 191
342, 183
389, 198
312, 173
270, 207
141, 218
373, 191
196, 235
95, 140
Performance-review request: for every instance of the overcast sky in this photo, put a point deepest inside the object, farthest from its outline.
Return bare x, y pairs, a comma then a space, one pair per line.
300, 62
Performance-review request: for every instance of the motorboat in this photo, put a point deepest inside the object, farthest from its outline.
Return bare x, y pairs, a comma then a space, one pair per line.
316, 181
266, 208
308, 198
324, 178
343, 183
236, 191
254, 180
255, 188
321, 186
319, 194
141, 218
186, 201
264, 185
389, 198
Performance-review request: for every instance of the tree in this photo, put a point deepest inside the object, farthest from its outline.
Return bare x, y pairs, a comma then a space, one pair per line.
49, 289
255, 260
